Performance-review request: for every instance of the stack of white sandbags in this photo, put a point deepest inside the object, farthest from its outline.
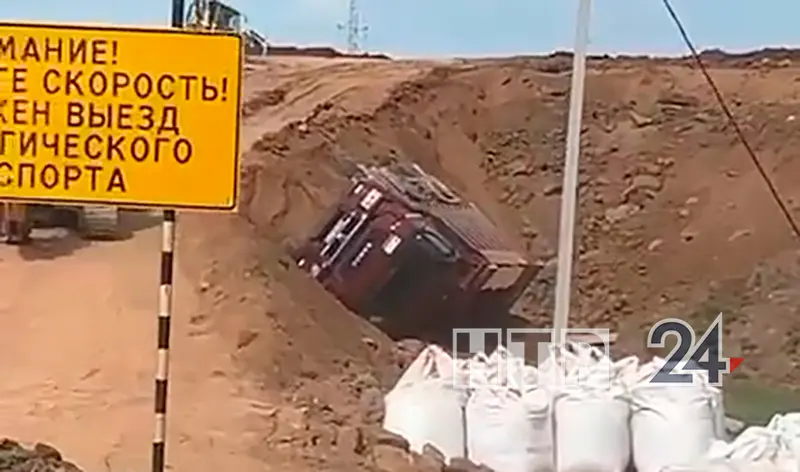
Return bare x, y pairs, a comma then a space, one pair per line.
608, 414
578, 411
758, 449
465, 409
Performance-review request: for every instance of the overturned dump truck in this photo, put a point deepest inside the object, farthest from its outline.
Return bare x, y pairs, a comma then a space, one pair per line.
402, 245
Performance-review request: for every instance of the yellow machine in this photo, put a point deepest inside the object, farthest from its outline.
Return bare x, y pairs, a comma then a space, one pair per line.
16, 223
92, 222
218, 16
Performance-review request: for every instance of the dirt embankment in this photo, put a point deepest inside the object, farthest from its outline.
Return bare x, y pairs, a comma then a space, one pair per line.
673, 220
323, 368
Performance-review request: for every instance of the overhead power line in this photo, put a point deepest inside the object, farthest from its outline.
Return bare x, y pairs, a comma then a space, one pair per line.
773, 190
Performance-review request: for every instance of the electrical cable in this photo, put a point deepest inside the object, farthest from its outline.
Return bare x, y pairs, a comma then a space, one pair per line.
725, 109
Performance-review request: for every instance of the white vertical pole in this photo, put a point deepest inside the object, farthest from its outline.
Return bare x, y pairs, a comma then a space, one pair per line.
566, 233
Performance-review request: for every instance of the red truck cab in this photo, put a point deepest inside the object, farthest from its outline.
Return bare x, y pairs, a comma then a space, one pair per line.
401, 245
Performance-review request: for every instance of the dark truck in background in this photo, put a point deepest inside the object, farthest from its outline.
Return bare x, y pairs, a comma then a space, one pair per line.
405, 250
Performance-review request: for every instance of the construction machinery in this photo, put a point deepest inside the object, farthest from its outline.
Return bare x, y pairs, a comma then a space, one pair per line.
401, 245
213, 15
92, 222
16, 224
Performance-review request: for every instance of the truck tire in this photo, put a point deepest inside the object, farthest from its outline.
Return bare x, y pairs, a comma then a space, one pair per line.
99, 222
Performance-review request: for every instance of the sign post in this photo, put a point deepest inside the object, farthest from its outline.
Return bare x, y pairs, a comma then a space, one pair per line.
165, 293
163, 335
132, 117
566, 233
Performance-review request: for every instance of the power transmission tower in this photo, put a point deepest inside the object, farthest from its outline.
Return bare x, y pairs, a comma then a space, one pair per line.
355, 30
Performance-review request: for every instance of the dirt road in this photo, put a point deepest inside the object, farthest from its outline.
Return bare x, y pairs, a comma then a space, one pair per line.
78, 359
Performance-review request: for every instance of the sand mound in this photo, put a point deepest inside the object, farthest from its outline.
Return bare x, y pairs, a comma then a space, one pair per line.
671, 207
322, 368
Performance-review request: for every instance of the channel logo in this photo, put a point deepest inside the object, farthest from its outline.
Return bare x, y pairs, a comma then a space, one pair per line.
525, 358
691, 356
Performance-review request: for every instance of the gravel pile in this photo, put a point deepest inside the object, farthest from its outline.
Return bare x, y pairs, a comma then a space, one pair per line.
41, 458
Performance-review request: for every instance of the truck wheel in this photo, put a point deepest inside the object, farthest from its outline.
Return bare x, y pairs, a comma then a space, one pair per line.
99, 222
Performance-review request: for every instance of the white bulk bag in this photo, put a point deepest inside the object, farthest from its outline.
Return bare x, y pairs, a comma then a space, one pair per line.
572, 360
427, 406
672, 424
581, 350
508, 431
731, 466
788, 427
627, 370
477, 370
505, 368
591, 425
718, 407
539, 408
433, 360
756, 443
555, 367
757, 449
646, 371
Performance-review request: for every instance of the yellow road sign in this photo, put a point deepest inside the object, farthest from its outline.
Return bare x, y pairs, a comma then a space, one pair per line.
121, 116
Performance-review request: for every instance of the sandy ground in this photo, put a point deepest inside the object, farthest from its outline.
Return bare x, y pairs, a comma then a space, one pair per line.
78, 361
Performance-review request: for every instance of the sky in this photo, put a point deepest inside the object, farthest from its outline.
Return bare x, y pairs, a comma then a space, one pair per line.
444, 28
